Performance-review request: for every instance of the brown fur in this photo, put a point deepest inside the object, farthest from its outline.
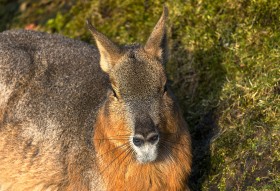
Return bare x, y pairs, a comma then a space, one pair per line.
67, 123
19, 168
119, 168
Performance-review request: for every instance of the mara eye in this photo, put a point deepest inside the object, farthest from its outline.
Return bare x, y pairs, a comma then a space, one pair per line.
114, 93
165, 88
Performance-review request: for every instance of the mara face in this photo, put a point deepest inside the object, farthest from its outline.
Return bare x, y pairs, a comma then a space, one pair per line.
139, 116
139, 93
139, 130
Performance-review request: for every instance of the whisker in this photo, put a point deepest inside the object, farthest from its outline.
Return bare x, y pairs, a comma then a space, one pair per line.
126, 135
101, 173
168, 152
111, 150
166, 140
170, 145
116, 135
132, 152
112, 162
128, 152
110, 139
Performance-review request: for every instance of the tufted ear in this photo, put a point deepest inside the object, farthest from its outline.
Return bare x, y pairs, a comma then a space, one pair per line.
157, 42
109, 52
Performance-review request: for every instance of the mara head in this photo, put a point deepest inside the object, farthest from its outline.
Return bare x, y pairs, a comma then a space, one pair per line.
139, 112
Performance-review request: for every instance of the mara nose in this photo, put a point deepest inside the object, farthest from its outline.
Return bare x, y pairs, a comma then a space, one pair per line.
139, 140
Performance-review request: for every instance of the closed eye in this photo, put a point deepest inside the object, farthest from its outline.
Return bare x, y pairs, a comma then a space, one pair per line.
114, 93
165, 88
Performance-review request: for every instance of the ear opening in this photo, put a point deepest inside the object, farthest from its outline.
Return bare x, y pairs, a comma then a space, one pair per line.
156, 44
109, 52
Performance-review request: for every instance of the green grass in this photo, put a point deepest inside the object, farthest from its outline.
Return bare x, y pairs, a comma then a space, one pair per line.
224, 67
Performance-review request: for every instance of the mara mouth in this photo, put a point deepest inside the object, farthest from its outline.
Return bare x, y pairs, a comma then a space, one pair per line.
146, 153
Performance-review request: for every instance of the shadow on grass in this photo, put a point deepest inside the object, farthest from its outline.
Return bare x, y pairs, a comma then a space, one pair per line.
198, 88
204, 127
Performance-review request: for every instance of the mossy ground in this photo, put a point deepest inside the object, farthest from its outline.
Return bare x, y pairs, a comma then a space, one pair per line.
224, 67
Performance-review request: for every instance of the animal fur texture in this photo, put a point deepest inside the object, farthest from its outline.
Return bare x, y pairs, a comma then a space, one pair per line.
70, 115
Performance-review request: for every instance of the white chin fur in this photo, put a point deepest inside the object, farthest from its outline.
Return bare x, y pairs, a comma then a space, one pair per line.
146, 153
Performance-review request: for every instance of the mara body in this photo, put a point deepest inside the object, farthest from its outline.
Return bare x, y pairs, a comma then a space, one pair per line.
78, 118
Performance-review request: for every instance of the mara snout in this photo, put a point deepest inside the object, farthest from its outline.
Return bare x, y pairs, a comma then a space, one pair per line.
76, 117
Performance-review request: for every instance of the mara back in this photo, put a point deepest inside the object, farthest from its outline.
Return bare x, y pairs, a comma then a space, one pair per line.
78, 118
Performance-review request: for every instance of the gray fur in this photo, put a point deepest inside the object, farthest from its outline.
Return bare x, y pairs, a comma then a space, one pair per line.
55, 91
51, 88
61, 76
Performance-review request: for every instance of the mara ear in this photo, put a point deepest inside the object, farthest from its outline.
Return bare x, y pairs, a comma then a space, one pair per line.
109, 52
157, 42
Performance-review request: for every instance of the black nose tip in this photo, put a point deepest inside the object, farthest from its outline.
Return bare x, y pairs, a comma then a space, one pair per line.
151, 138
137, 141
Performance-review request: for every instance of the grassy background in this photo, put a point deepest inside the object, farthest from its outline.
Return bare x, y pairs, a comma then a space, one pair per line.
224, 67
